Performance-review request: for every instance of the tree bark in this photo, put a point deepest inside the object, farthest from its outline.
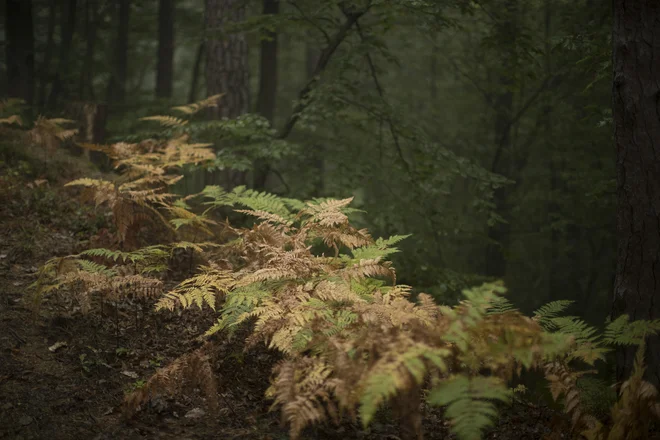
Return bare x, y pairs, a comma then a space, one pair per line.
117, 84
499, 234
20, 49
92, 19
192, 94
44, 70
266, 99
636, 93
165, 67
226, 58
68, 28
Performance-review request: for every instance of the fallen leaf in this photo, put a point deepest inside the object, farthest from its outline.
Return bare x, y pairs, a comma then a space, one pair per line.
56, 346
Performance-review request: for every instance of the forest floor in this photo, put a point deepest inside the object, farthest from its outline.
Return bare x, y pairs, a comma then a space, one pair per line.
66, 377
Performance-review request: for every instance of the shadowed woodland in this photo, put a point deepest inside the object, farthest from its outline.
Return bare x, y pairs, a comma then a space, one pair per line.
329, 219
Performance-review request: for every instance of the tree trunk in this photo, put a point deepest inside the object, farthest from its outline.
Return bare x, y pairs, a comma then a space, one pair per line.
165, 67
227, 72
226, 58
44, 71
267, 89
499, 234
68, 28
636, 89
117, 84
20, 49
192, 95
92, 19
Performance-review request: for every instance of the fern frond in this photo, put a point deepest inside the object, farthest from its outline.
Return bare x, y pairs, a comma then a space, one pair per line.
404, 363
470, 402
191, 109
13, 119
166, 121
192, 370
203, 288
547, 312
622, 332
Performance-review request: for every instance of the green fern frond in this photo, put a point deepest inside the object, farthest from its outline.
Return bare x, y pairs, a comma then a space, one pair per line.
91, 267
381, 248
394, 373
547, 312
622, 332
150, 253
500, 305
470, 402
254, 200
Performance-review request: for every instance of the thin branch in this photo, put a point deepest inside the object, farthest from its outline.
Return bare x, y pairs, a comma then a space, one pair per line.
381, 93
310, 21
322, 63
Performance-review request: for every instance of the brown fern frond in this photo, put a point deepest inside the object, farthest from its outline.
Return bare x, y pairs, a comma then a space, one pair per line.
49, 133
302, 388
188, 371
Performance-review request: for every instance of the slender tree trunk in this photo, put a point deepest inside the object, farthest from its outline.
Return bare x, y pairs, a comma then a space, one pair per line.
636, 89
68, 29
119, 74
192, 95
20, 49
92, 16
44, 71
165, 67
267, 88
227, 58
499, 235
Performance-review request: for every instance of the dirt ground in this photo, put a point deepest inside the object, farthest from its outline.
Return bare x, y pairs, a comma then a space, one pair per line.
65, 377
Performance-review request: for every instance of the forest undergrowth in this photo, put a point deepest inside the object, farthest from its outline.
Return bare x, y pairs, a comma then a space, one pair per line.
133, 312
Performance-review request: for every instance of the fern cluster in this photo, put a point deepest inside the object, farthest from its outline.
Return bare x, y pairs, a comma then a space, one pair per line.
323, 293
352, 339
634, 407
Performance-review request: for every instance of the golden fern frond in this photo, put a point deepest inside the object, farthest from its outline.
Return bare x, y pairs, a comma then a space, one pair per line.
369, 268
166, 121
191, 109
201, 289
13, 119
267, 217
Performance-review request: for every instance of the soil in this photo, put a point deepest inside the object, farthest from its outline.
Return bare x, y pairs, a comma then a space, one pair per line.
65, 376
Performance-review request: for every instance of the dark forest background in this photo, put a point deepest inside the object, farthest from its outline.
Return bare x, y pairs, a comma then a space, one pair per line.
482, 128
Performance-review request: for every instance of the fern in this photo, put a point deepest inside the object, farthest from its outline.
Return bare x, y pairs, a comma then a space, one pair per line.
381, 248
547, 312
622, 332
470, 403
166, 121
191, 109
201, 289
